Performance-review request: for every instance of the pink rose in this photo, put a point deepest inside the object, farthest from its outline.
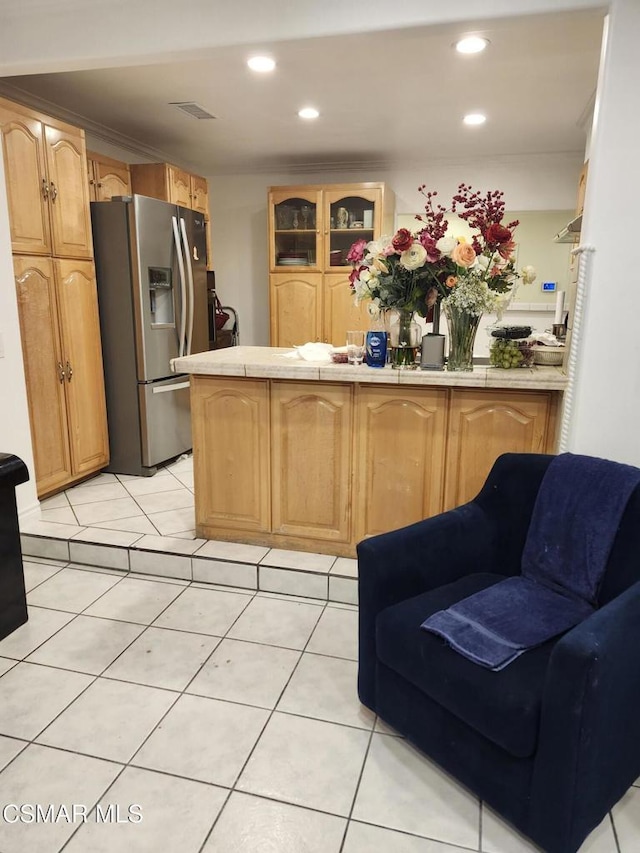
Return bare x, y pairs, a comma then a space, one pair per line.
463, 255
403, 240
451, 281
356, 252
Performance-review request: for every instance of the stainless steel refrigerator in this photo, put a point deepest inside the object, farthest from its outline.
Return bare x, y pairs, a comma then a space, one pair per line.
152, 295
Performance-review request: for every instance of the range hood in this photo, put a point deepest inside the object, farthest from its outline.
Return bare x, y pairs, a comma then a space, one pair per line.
571, 232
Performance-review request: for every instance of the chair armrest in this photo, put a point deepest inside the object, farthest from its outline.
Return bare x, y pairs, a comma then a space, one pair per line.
589, 741
13, 471
398, 565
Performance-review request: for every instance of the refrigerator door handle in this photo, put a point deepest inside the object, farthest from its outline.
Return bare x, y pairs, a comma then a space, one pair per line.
163, 389
187, 254
183, 289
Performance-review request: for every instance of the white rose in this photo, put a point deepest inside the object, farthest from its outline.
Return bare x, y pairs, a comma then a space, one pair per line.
446, 245
529, 274
377, 247
482, 261
413, 258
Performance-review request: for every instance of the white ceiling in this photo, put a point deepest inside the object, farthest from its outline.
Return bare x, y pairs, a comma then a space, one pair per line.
386, 98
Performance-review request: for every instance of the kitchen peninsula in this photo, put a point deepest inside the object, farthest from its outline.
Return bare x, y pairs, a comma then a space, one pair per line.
316, 456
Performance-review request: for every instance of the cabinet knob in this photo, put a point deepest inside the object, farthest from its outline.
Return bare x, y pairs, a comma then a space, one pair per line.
60, 371
54, 191
45, 189
69, 371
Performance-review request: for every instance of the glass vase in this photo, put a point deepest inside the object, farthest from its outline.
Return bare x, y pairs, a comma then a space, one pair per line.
462, 334
405, 339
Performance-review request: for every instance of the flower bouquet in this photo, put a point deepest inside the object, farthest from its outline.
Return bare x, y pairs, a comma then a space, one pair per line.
415, 272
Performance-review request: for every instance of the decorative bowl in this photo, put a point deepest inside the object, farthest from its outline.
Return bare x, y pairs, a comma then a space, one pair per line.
551, 356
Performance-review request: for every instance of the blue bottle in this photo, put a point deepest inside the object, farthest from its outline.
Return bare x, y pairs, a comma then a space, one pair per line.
376, 348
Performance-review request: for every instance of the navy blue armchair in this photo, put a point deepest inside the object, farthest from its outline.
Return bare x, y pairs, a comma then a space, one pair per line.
552, 741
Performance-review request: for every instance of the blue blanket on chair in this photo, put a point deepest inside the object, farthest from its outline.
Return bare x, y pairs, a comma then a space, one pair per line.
574, 523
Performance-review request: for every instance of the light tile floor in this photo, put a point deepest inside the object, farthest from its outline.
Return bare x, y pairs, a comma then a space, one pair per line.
146, 524
225, 715
228, 719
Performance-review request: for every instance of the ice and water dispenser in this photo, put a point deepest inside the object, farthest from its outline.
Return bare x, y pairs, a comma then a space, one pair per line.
161, 303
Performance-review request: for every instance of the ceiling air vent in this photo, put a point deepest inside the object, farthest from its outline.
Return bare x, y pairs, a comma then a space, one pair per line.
192, 109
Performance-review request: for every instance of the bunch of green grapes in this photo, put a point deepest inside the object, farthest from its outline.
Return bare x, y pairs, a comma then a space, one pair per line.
505, 353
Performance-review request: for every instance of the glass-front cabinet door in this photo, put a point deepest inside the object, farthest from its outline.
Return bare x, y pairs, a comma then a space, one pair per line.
295, 229
349, 214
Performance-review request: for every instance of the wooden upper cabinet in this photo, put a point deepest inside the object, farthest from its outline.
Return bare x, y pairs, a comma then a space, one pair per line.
26, 180
311, 229
170, 183
68, 194
179, 186
45, 165
200, 195
295, 228
107, 177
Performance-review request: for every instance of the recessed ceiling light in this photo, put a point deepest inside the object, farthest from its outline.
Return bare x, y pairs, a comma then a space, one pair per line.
474, 118
261, 63
471, 44
308, 112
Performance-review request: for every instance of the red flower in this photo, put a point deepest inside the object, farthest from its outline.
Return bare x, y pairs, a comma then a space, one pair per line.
403, 240
429, 244
355, 274
506, 250
356, 252
497, 234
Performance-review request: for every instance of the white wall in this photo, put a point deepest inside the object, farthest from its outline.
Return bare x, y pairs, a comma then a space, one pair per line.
606, 410
239, 214
14, 416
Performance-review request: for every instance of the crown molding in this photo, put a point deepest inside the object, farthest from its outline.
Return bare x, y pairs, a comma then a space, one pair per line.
357, 164
106, 134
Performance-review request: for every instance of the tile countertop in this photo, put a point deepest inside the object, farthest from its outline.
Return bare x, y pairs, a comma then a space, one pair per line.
272, 363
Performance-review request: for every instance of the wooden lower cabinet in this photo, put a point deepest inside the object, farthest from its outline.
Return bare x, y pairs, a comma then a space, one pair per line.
311, 490
230, 424
400, 440
296, 309
318, 466
84, 374
60, 333
484, 424
340, 310
44, 371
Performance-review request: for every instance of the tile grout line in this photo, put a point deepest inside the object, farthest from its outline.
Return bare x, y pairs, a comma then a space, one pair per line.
263, 729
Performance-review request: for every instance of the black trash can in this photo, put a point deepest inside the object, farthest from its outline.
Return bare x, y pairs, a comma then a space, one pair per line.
13, 600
